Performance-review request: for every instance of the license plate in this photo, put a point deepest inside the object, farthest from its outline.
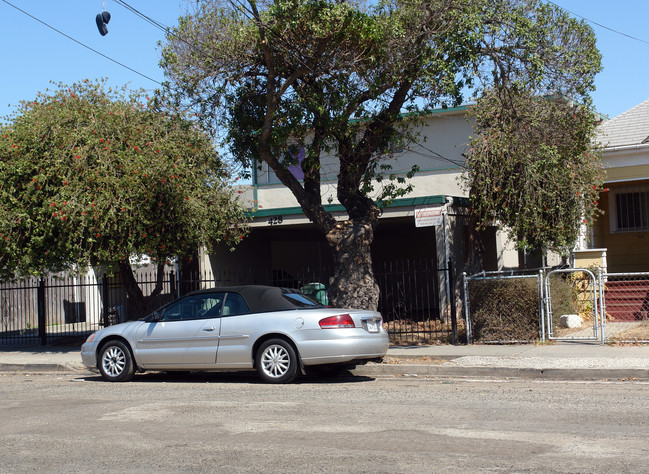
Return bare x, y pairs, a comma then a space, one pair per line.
372, 325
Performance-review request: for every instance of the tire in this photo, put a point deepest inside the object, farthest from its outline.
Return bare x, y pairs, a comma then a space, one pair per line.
115, 362
276, 361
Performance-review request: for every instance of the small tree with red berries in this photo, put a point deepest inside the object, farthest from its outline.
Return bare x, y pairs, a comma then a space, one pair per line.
91, 176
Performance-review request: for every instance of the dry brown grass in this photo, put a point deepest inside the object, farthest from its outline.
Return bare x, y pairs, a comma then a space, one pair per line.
635, 333
425, 360
434, 331
616, 332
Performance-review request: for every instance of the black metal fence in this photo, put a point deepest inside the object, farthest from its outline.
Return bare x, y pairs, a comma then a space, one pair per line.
66, 309
57, 308
416, 302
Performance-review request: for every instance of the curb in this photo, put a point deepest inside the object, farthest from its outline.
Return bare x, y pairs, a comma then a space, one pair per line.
35, 368
423, 370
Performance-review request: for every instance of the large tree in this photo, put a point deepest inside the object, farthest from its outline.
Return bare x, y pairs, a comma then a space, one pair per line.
93, 176
334, 77
534, 171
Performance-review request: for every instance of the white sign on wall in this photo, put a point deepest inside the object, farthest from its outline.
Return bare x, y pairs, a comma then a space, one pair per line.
428, 215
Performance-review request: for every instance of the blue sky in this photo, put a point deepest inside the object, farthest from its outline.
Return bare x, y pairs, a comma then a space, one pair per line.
33, 54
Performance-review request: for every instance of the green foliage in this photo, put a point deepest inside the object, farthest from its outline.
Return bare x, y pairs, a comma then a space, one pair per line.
334, 78
330, 77
531, 168
93, 176
504, 309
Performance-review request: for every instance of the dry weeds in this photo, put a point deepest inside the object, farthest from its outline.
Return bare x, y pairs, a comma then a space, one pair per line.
434, 331
636, 333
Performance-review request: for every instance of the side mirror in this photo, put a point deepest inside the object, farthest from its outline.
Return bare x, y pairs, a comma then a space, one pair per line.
155, 316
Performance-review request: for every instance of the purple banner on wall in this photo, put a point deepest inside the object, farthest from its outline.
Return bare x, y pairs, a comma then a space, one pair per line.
296, 170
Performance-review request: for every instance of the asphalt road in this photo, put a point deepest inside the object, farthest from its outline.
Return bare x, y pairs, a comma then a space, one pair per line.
232, 423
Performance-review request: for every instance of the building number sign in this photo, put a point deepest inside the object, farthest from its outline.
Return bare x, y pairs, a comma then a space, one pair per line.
275, 220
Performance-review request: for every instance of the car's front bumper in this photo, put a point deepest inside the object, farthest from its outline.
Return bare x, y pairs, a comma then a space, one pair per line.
89, 355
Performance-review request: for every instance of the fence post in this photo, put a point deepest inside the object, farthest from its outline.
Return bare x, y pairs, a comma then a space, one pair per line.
104, 300
542, 304
451, 299
602, 307
466, 309
42, 320
172, 285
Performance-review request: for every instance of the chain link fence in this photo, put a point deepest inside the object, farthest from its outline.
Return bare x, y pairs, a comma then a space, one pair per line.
626, 297
557, 304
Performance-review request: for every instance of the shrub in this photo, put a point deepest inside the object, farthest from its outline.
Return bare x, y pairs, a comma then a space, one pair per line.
504, 309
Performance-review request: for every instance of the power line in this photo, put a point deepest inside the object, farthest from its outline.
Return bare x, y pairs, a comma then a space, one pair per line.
165, 29
82, 44
435, 155
144, 17
599, 24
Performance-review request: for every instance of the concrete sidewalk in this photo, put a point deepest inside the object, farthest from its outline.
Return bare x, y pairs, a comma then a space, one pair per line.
568, 361
558, 361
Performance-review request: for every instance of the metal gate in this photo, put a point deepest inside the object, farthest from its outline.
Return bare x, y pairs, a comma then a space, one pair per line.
574, 305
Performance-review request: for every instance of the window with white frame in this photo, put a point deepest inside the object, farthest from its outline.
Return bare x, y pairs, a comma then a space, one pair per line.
629, 209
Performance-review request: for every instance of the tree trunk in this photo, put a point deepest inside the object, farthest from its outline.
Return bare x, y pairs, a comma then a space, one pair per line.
353, 284
138, 304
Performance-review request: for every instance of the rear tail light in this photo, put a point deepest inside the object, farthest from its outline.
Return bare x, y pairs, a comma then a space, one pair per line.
339, 321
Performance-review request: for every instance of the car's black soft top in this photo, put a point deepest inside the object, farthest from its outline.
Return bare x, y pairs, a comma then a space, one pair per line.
262, 298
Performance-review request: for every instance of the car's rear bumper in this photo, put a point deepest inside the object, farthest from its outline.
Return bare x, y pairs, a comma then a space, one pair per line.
344, 349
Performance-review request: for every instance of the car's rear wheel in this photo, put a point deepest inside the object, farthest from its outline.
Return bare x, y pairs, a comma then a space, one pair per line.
276, 361
116, 362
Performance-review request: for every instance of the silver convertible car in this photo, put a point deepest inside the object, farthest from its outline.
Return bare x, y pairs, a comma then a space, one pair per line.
280, 332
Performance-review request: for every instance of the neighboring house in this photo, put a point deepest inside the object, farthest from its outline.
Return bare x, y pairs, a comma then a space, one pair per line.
619, 238
284, 241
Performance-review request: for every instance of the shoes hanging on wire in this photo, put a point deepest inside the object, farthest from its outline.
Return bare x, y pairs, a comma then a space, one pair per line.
102, 20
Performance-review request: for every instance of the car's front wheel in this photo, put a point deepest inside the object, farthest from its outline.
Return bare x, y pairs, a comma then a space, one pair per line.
276, 361
116, 362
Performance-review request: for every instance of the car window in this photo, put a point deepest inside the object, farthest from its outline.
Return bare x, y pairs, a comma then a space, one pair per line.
300, 300
234, 304
199, 306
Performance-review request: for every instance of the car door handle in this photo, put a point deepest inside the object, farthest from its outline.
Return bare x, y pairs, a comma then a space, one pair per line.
209, 329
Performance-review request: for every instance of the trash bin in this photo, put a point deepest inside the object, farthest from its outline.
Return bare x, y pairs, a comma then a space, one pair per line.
317, 291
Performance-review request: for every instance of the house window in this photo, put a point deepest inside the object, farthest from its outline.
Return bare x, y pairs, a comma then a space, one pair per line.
630, 210
295, 170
